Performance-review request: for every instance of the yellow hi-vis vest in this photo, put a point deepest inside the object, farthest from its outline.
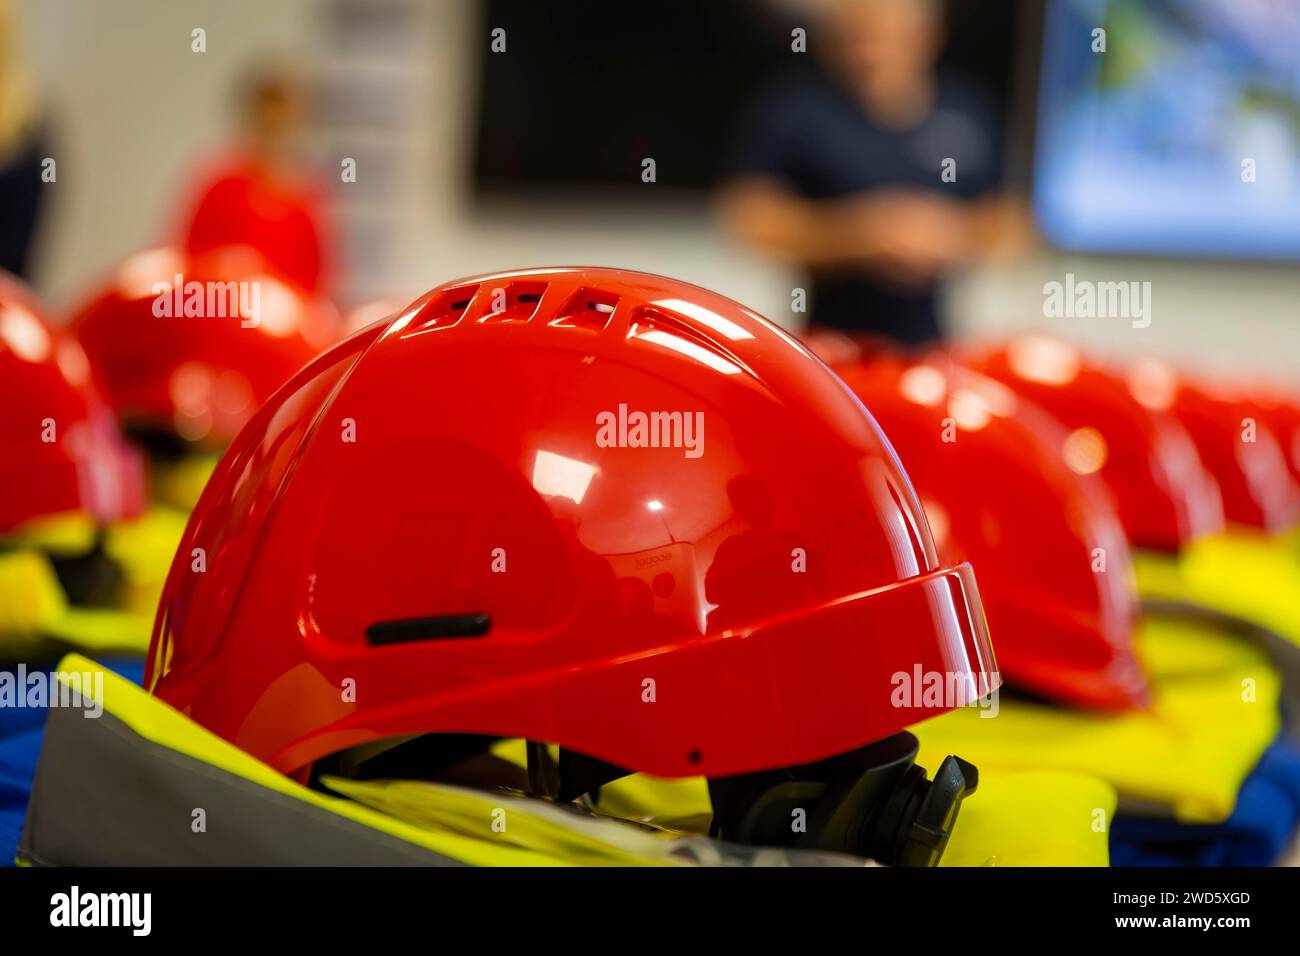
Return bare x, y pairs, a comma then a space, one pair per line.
168, 792
36, 618
1214, 712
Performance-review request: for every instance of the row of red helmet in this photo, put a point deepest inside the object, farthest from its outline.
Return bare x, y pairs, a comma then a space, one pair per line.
510, 505
1046, 468
180, 346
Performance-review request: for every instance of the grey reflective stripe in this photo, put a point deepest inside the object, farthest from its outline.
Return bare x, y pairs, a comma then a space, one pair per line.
104, 795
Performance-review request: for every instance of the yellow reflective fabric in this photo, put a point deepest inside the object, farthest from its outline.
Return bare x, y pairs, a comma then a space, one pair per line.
35, 615
513, 820
102, 630
157, 722
1160, 576
31, 600
68, 532
475, 827
36, 619
1249, 575
178, 484
1025, 818
143, 547
1214, 711
680, 804
1034, 818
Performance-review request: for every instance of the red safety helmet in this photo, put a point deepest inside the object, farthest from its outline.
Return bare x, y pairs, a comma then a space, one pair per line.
1055, 570
59, 446
1281, 411
1120, 430
1241, 451
193, 345
590, 507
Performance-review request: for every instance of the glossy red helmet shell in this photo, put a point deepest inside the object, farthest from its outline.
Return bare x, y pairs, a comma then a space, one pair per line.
1235, 440
199, 375
1120, 430
474, 466
1281, 412
1055, 570
59, 446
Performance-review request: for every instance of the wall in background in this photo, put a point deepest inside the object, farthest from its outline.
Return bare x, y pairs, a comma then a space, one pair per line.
134, 106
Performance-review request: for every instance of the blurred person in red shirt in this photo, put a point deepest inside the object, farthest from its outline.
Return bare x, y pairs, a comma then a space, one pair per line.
262, 194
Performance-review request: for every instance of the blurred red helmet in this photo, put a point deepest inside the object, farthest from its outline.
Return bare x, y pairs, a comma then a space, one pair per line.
1122, 431
193, 345
1054, 567
59, 446
592, 507
1281, 412
1241, 451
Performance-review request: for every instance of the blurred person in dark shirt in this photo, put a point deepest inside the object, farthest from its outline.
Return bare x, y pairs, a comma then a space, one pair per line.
841, 173
262, 193
23, 150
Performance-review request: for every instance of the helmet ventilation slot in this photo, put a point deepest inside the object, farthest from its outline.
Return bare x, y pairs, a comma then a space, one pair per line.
656, 327
437, 628
588, 309
444, 310
515, 302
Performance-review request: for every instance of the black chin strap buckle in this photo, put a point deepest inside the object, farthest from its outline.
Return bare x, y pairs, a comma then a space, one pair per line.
920, 837
873, 802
